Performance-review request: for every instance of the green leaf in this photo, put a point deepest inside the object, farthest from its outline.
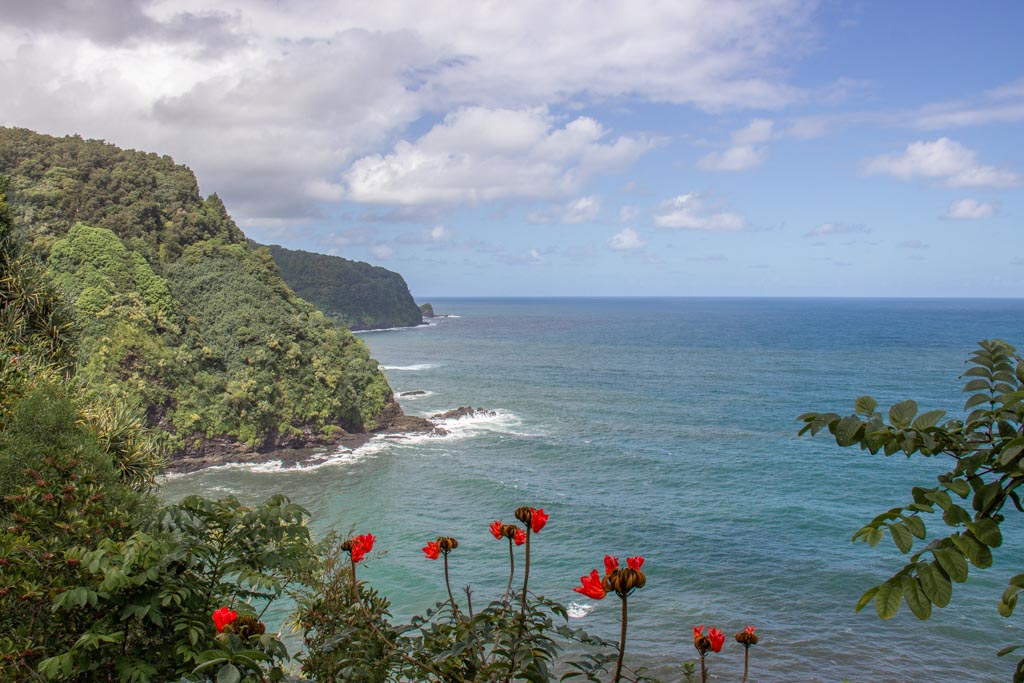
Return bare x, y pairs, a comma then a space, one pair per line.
865, 405
975, 400
959, 487
987, 531
902, 413
977, 385
916, 600
229, 673
916, 525
952, 562
1008, 650
978, 372
847, 429
979, 555
888, 599
928, 420
901, 537
935, 585
874, 536
866, 597
1011, 451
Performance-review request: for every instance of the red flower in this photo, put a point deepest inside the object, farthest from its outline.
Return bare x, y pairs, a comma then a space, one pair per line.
591, 587
222, 617
366, 541
698, 633
610, 564
496, 529
634, 562
750, 630
538, 520
520, 537
432, 550
717, 638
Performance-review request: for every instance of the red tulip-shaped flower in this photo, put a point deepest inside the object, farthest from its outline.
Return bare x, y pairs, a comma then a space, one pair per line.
635, 562
591, 586
222, 617
496, 529
520, 537
610, 564
717, 638
539, 519
432, 550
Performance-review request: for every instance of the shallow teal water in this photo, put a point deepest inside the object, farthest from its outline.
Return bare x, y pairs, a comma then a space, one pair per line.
666, 428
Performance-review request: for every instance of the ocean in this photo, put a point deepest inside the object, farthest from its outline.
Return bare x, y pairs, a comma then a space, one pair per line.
667, 428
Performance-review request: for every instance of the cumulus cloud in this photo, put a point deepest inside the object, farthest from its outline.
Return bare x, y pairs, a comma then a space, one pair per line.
270, 104
478, 154
971, 210
626, 239
837, 229
691, 212
382, 251
745, 151
944, 160
579, 210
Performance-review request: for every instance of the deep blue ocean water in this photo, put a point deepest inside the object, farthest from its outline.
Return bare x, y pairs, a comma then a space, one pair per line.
667, 428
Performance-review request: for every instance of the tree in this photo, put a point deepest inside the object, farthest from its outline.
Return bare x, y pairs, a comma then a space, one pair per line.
987, 453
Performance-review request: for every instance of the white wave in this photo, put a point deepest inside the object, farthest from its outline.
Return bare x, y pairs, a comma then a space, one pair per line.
394, 329
577, 610
412, 368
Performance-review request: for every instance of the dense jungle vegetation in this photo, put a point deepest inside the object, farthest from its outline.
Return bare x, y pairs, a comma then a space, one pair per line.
174, 311
355, 294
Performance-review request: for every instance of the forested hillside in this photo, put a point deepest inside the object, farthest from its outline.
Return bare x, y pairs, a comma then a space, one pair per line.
356, 294
173, 310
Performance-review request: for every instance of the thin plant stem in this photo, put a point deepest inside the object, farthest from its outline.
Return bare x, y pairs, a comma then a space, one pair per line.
526, 572
448, 585
703, 670
622, 641
746, 662
387, 641
511, 571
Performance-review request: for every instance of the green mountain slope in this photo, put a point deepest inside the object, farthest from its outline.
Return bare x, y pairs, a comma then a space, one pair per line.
174, 310
356, 294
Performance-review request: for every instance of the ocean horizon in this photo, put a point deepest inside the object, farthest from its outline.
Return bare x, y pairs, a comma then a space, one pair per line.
666, 427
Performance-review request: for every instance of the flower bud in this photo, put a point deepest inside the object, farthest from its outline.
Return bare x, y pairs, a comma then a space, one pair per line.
524, 515
508, 530
624, 581
446, 544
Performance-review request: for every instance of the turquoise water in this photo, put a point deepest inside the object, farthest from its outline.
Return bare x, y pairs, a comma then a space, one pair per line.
666, 428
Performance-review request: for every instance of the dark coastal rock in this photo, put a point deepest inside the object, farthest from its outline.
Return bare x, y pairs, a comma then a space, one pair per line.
463, 411
418, 392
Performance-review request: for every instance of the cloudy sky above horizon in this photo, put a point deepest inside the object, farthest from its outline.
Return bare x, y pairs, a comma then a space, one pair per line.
676, 148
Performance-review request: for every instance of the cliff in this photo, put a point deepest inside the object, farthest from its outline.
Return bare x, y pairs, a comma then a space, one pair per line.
355, 294
172, 309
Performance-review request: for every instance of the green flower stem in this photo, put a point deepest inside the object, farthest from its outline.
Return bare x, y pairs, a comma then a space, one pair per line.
448, 585
511, 570
622, 640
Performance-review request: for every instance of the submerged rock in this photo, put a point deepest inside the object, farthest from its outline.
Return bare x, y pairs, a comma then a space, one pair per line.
461, 412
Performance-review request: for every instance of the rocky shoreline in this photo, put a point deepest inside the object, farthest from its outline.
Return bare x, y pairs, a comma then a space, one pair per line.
309, 448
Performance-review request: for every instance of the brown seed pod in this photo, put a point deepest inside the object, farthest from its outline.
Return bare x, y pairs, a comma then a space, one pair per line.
524, 515
447, 544
508, 530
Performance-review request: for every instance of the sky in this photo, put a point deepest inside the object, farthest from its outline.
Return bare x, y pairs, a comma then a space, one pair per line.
574, 148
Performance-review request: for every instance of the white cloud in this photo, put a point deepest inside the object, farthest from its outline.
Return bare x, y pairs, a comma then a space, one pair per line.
479, 154
270, 102
626, 239
579, 210
971, 210
439, 233
837, 229
382, 251
628, 213
945, 160
689, 211
744, 152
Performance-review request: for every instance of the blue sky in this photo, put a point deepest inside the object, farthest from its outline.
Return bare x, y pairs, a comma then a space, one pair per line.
700, 148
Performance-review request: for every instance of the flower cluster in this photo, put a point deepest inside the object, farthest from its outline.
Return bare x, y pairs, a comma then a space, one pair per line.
534, 518
747, 637
621, 581
518, 536
443, 544
712, 641
358, 546
222, 617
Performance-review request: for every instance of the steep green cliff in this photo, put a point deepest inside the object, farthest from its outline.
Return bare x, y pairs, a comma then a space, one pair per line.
356, 294
174, 310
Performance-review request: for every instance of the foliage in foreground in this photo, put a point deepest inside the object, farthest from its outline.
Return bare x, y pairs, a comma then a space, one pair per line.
987, 453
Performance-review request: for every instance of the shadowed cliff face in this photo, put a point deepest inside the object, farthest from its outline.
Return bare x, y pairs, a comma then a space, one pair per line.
356, 294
